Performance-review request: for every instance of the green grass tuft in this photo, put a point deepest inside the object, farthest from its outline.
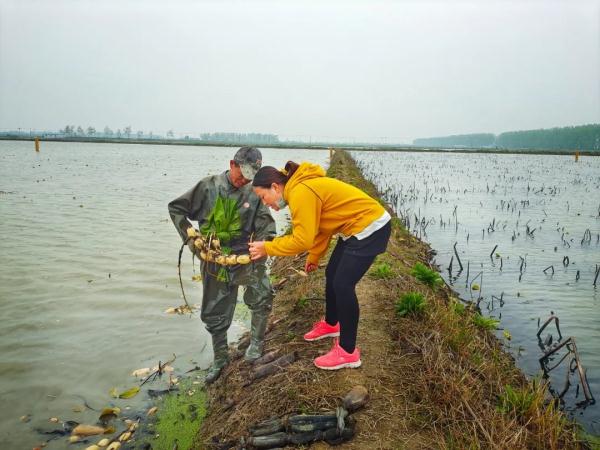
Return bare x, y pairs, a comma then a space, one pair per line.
460, 339
290, 335
382, 271
517, 401
486, 323
397, 224
425, 275
302, 302
591, 440
458, 307
411, 303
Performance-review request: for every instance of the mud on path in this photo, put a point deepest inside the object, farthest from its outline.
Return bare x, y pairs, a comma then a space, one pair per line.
434, 381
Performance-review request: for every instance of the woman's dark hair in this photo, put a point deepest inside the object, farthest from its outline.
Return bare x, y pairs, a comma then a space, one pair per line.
268, 175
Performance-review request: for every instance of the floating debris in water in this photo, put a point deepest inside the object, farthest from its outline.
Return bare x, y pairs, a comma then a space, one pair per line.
88, 430
183, 309
142, 372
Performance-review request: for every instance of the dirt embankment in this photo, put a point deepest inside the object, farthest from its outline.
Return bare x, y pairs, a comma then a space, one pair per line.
435, 379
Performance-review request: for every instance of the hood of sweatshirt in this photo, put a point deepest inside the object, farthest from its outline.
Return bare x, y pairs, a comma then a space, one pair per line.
306, 171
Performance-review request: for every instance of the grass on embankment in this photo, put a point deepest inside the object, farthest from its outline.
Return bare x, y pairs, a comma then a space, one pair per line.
436, 375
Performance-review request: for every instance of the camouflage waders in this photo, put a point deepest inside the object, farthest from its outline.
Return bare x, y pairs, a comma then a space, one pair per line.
219, 298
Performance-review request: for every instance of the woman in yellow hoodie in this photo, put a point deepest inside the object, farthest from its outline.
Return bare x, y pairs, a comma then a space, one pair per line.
322, 207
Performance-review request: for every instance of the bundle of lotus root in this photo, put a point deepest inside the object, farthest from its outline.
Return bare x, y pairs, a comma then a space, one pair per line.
210, 250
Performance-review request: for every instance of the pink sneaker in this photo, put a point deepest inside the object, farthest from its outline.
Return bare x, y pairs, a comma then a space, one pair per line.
322, 329
338, 358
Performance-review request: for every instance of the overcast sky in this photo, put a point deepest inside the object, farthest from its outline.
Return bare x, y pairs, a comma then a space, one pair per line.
386, 71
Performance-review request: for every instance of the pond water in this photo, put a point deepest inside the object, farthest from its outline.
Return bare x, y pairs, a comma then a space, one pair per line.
89, 265
511, 217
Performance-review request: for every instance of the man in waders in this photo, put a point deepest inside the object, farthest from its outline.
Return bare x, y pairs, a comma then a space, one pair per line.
219, 296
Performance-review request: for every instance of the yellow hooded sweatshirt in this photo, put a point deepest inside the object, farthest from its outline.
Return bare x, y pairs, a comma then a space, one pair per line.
321, 207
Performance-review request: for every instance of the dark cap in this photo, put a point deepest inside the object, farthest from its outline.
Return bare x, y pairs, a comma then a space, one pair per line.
249, 159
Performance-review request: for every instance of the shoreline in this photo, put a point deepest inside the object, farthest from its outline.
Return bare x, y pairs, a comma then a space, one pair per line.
435, 380
305, 146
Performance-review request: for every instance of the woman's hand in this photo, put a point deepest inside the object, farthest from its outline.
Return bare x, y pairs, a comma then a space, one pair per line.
310, 267
257, 250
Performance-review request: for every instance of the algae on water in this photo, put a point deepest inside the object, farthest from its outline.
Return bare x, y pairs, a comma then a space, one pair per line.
178, 418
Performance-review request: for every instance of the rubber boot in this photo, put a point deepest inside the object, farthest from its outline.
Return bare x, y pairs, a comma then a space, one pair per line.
258, 326
221, 357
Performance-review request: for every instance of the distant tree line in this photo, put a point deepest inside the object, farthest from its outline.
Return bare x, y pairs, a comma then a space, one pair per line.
71, 131
582, 137
126, 132
255, 138
585, 137
77, 131
459, 140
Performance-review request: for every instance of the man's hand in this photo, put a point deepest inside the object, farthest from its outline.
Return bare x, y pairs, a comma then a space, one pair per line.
257, 250
310, 267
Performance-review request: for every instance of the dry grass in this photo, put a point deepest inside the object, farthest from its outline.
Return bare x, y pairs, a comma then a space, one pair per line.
435, 380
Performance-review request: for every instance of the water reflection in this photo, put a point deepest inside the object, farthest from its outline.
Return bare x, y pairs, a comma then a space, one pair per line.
524, 228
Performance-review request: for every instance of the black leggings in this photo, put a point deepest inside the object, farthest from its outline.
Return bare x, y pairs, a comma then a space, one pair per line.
346, 267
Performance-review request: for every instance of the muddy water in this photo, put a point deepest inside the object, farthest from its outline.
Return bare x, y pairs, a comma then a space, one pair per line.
538, 208
88, 266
